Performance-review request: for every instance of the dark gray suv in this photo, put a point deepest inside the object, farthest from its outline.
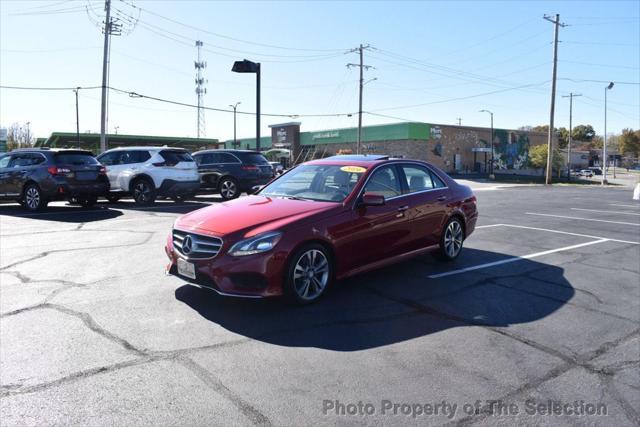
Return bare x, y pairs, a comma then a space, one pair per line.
34, 177
231, 172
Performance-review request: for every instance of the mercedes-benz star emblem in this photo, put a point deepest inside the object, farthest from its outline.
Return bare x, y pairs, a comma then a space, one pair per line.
187, 245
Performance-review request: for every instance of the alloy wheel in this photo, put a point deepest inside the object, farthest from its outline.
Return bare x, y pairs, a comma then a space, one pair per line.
228, 189
311, 274
453, 239
32, 198
142, 192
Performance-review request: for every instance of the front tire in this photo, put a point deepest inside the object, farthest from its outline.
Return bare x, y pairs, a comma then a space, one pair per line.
309, 274
228, 189
451, 240
143, 192
33, 198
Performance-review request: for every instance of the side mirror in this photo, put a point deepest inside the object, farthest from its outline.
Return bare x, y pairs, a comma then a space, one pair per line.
372, 199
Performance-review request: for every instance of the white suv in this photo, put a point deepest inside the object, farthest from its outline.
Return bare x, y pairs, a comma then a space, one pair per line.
148, 172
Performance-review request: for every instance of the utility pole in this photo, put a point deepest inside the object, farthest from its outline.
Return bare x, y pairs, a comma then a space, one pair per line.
200, 90
570, 96
110, 28
557, 25
363, 67
77, 119
459, 121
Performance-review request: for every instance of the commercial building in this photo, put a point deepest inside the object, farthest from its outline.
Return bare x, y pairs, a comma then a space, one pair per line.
460, 149
91, 141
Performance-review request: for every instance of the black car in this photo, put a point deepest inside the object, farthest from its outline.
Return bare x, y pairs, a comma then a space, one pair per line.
231, 172
34, 177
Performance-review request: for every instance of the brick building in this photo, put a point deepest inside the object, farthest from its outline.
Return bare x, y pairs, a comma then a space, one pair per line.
461, 149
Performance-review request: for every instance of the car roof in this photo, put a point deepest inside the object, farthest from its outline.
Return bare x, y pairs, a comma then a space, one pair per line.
50, 150
224, 150
142, 147
359, 157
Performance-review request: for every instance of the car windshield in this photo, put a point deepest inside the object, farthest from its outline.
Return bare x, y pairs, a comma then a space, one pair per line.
328, 183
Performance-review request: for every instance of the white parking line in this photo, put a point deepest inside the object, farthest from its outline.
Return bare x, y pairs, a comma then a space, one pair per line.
584, 219
589, 236
514, 259
625, 206
613, 212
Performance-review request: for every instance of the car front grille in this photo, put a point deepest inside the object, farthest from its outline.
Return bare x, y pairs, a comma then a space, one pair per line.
197, 246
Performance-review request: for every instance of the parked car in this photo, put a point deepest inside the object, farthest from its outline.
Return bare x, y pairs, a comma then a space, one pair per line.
322, 221
33, 177
585, 172
596, 170
277, 168
148, 172
232, 172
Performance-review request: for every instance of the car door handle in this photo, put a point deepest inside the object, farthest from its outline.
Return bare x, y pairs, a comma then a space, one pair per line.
403, 208
442, 198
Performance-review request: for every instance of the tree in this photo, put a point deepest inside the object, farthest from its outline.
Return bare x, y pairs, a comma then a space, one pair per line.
629, 142
19, 136
563, 137
597, 142
538, 157
583, 133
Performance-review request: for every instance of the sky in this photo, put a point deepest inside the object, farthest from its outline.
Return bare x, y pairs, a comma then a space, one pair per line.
433, 62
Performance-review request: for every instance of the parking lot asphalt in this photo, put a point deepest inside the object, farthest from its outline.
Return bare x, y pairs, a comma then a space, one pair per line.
542, 306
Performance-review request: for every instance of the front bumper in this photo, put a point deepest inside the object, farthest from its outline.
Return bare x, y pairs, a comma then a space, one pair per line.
252, 276
171, 187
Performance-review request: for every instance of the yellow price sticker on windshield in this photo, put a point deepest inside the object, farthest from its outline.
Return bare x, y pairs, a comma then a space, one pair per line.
353, 169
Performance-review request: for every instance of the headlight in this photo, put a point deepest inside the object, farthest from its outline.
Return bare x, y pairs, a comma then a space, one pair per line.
255, 245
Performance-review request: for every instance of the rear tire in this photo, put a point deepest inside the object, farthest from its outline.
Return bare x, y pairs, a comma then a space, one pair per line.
33, 198
309, 274
87, 202
451, 240
228, 188
143, 192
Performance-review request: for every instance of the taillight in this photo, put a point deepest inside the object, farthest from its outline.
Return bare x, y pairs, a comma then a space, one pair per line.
53, 170
250, 168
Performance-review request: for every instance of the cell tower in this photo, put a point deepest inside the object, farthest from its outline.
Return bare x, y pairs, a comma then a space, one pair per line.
200, 90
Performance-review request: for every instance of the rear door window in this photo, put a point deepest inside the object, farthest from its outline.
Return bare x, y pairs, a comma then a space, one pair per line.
139, 156
418, 178
76, 159
253, 158
228, 158
173, 157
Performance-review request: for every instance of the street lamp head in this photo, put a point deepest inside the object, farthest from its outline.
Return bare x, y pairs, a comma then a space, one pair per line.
245, 66
610, 85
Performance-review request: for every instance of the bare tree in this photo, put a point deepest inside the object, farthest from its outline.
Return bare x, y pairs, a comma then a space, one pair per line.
19, 136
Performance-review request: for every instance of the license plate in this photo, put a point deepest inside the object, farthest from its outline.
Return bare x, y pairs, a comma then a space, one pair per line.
186, 269
86, 176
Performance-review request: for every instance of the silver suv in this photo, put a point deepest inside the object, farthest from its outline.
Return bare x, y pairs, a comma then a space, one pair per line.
148, 172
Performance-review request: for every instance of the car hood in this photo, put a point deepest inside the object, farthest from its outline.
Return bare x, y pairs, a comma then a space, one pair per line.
253, 214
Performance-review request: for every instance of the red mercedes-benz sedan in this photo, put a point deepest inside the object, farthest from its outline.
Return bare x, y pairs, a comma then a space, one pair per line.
322, 221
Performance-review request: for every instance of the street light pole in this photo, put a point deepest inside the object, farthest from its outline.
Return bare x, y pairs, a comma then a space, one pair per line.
235, 140
77, 119
247, 66
604, 146
491, 165
570, 96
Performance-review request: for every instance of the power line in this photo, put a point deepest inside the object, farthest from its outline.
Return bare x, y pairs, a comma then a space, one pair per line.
192, 27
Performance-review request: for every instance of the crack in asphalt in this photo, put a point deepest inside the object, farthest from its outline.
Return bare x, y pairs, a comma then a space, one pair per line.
485, 411
46, 253
256, 417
